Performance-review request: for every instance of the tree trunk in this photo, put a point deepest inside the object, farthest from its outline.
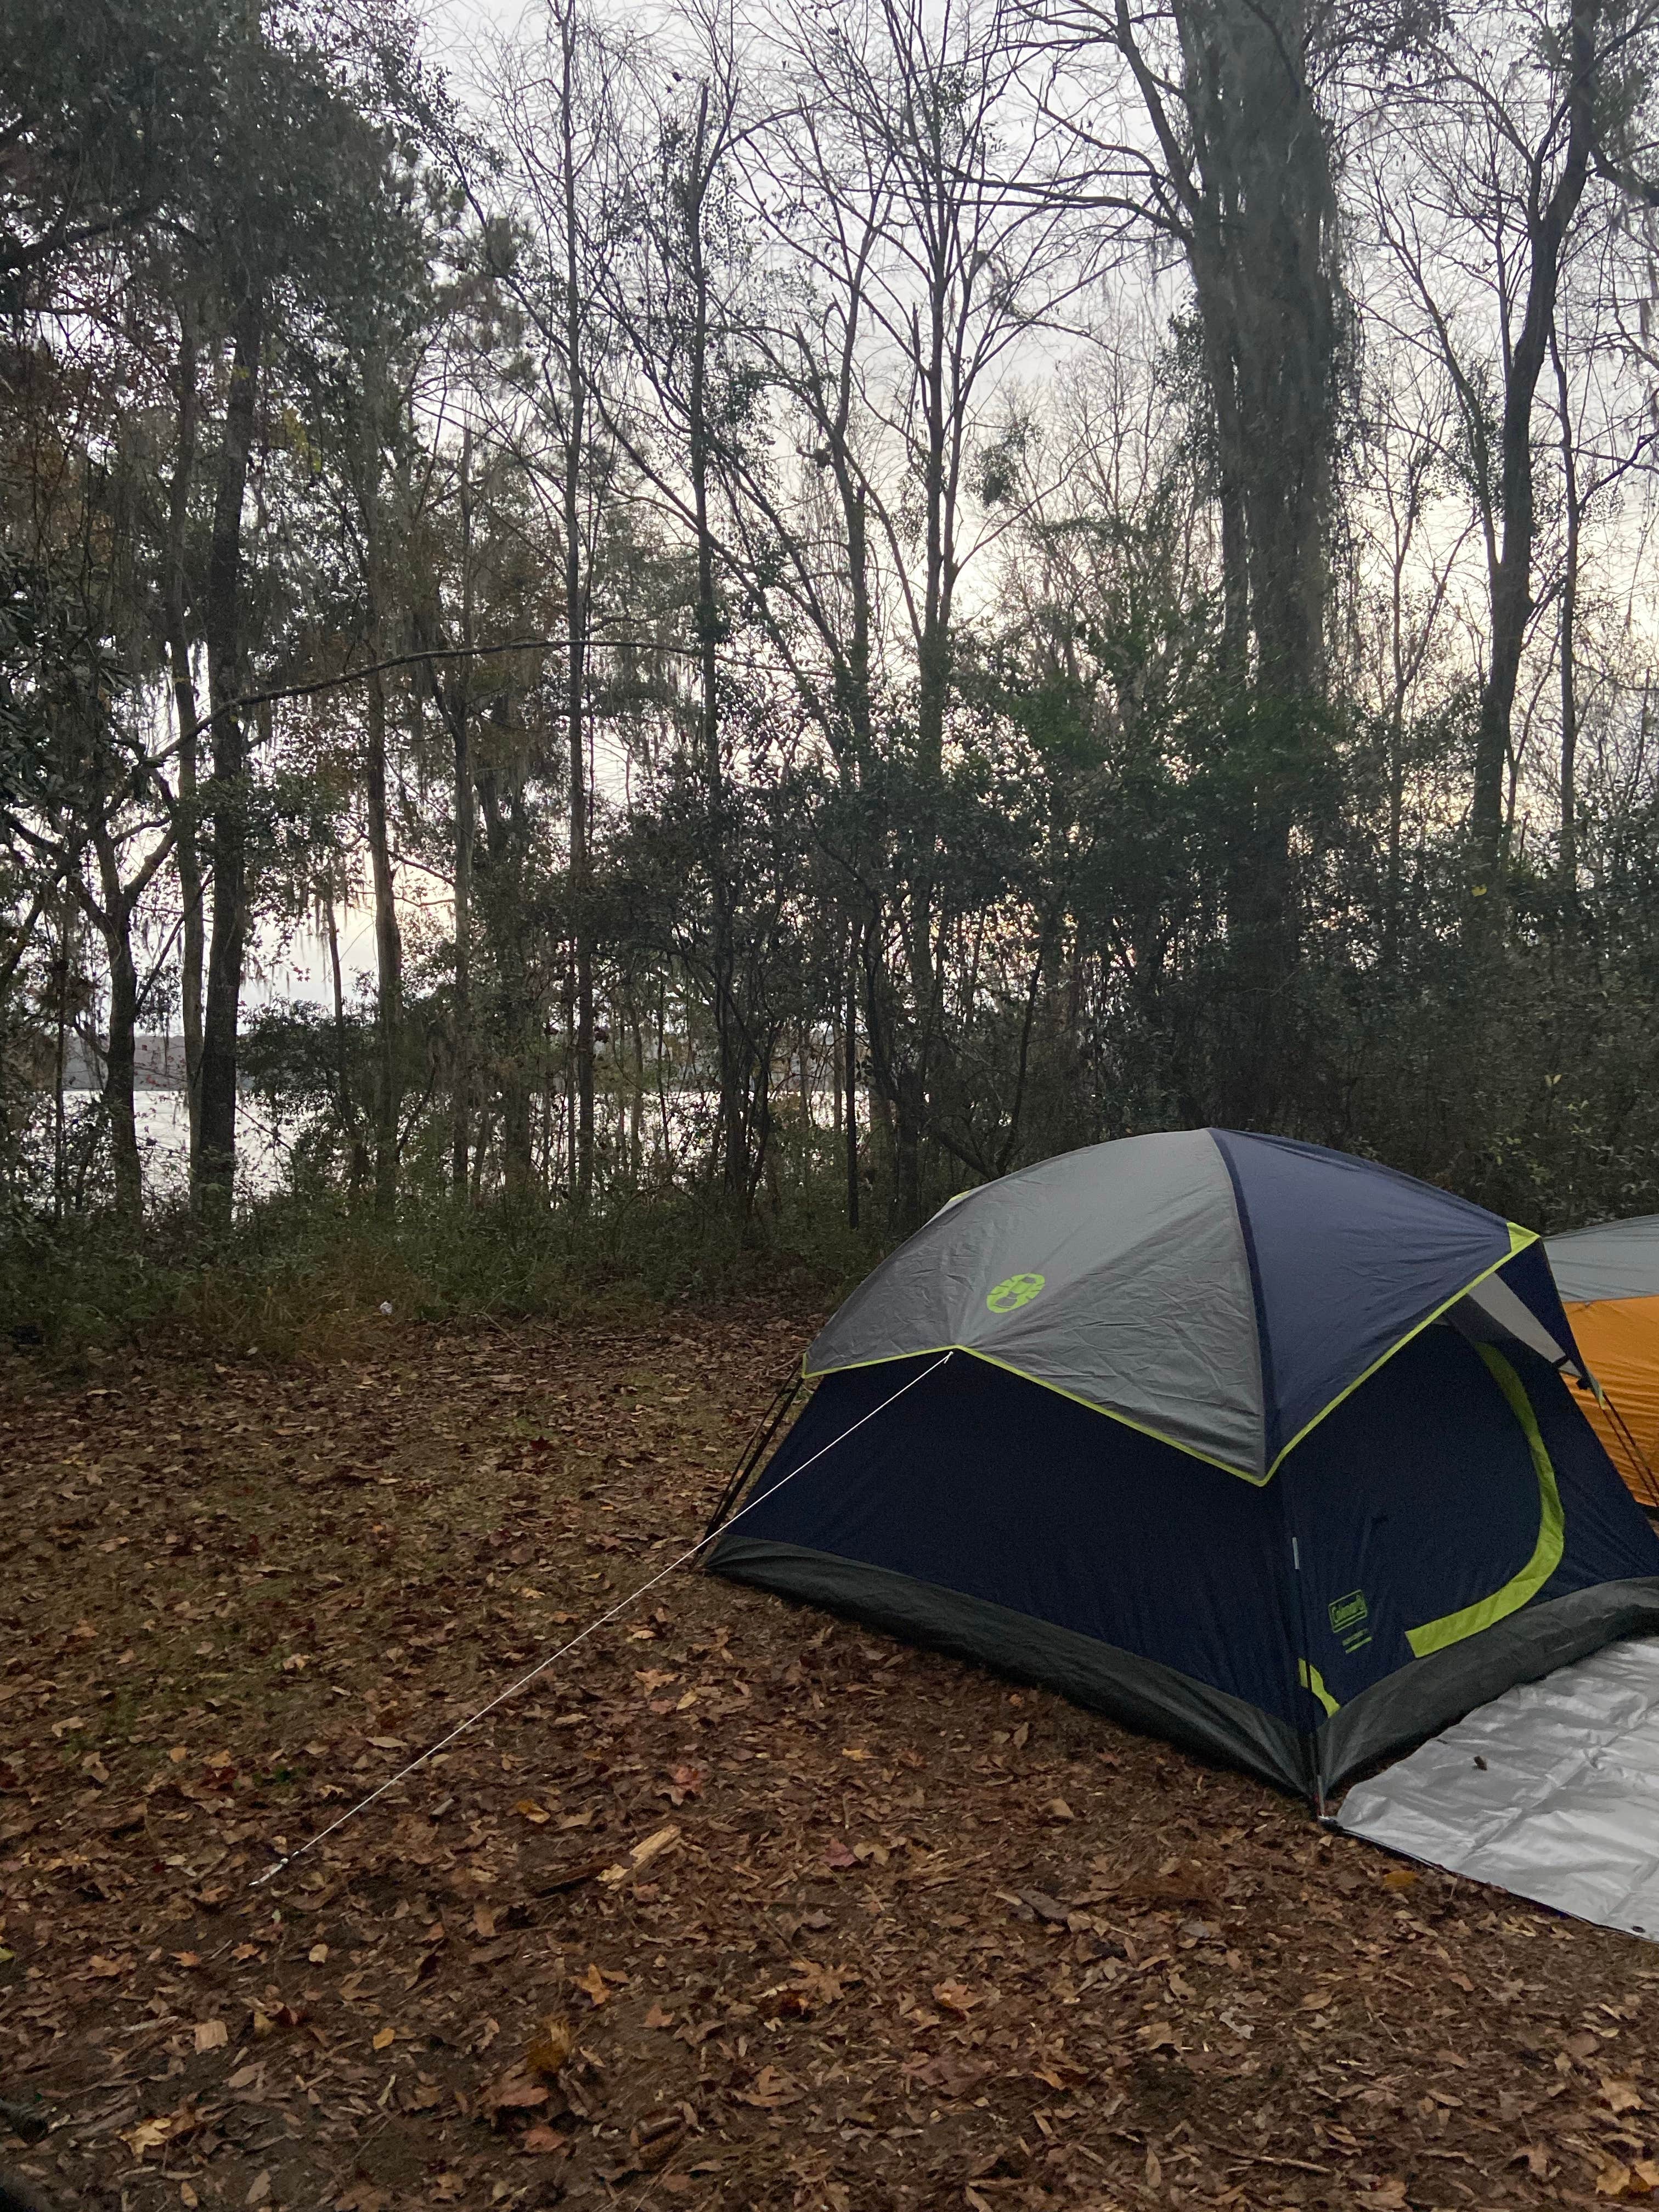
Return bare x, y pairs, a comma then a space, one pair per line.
466, 831
388, 938
636, 1107
120, 1103
215, 1165
518, 1166
113, 915
456, 704
59, 1118
575, 605
1511, 579
191, 890
910, 1092
852, 1035
388, 952
733, 1138
1249, 163
345, 1103
1568, 856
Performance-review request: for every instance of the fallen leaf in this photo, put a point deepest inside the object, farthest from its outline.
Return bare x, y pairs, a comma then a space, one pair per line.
1057, 1809
384, 2038
771, 2090
951, 2074
835, 1854
1622, 2096
1400, 1877
259, 2189
593, 1981
818, 1985
1045, 1907
318, 1954
211, 2035
550, 2046
541, 2139
1613, 2179
483, 1922
1316, 2000
955, 1998
528, 1809
151, 2133
513, 2093
658, 2017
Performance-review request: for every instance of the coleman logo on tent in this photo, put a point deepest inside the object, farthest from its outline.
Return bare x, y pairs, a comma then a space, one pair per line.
1348, 1617
1014, 1291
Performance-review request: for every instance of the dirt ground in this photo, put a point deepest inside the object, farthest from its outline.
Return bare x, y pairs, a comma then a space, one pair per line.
740, 1906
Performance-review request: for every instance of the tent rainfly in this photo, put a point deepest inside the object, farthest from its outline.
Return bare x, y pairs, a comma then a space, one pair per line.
1609, 1279
1258, 1447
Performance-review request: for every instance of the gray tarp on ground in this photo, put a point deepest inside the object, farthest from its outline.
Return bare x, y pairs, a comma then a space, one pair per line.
1146, 1310
1551, 1791
1614, 1260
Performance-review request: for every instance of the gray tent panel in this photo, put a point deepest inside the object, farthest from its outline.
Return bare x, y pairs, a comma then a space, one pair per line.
1614, 1260
1116, 1275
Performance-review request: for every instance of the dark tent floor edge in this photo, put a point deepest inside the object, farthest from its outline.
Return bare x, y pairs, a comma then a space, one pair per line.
1142, 1692
1158, 1700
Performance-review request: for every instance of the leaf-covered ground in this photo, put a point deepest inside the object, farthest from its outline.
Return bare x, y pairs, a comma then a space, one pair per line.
741, 1906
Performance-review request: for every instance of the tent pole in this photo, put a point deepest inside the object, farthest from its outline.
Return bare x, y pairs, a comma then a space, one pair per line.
770, 1421
1303, 1655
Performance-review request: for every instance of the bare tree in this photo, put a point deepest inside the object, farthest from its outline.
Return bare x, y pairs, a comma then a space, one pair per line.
558, 101
924, 270
1479, 192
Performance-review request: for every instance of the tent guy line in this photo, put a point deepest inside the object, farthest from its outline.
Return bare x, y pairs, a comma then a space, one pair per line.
622, 1605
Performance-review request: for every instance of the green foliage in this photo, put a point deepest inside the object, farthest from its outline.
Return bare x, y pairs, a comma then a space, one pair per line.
306, 1277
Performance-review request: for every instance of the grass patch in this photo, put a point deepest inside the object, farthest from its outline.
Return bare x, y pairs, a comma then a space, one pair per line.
298, 1277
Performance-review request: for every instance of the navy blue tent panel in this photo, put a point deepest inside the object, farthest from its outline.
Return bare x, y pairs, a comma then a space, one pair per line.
966, 1481
1419, 1510
984, 1515
1346, 1257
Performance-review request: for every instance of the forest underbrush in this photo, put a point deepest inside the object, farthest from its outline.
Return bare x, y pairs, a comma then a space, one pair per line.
296, 1274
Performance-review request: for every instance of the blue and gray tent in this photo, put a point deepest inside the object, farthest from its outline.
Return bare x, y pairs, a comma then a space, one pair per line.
1260, 1447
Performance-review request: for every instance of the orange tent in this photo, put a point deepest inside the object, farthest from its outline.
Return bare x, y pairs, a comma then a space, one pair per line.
1609, 1279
